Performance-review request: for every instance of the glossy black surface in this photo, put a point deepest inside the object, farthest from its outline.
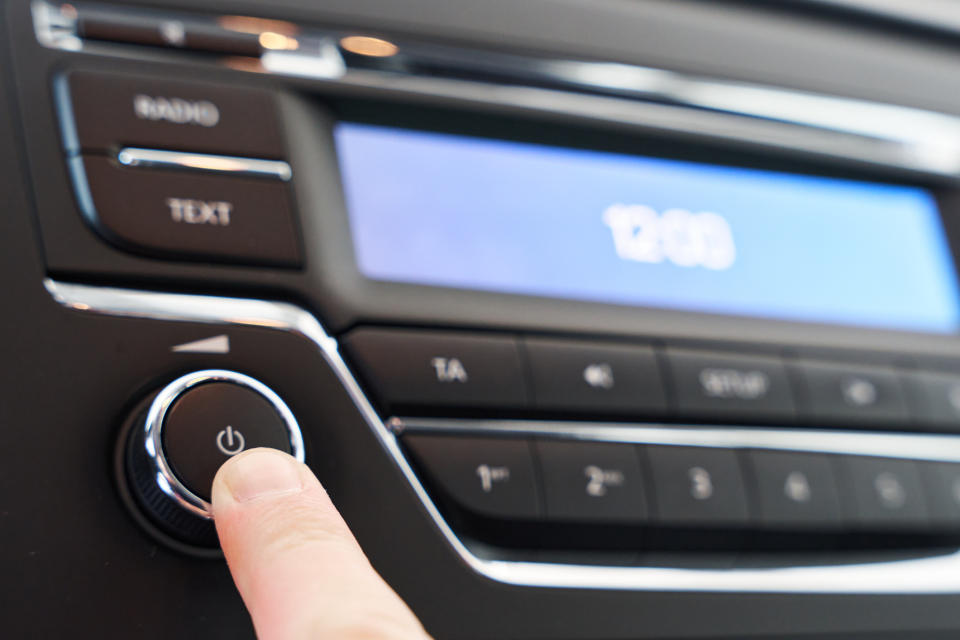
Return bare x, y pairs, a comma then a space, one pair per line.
68, 543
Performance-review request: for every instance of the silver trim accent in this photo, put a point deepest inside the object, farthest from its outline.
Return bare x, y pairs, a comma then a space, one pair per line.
167, 480
939, 575
867, 132
156, 158
935, 447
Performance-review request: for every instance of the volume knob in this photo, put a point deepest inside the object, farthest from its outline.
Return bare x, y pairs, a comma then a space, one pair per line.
190, 428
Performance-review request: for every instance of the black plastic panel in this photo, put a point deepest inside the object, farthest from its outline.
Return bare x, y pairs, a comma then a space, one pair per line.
77, 564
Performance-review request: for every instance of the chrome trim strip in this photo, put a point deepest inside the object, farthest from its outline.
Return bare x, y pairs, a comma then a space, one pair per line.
156, 158
863, 131
867, 443
167, 480
938, 575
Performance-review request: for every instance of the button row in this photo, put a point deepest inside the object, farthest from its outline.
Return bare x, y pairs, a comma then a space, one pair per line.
567, 481
411, 368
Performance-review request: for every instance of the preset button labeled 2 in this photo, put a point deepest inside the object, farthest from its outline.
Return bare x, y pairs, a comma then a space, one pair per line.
190, 214
446, 368
492, 477
592, 481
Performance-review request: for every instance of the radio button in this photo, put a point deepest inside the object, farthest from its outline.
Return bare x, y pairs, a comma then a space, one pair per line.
848, 393
885, 493
490, 477
934, 398
796, 490
595, 378
112, 110
698, 486
425, 368
188, 214
592, 481
710, 385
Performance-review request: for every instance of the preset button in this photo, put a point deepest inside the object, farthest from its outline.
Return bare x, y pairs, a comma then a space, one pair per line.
592, 481
885, 492
698, 486
796, 490
492, 477
942, 483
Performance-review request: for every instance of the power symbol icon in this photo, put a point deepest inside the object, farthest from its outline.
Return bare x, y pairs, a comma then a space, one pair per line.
230, 442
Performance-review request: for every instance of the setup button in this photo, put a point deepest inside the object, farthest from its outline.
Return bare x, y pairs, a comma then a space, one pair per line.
709, 384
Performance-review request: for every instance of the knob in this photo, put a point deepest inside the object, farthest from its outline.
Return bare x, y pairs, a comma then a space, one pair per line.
178, 438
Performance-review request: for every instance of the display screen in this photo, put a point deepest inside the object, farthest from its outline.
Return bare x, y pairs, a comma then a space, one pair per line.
475, 213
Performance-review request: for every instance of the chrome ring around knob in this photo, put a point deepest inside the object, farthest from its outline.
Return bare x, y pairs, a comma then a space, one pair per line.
166, 479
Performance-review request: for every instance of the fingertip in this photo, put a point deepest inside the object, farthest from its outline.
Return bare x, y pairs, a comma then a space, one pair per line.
256, 474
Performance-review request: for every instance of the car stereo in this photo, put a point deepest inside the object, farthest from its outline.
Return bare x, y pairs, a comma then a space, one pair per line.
612, 327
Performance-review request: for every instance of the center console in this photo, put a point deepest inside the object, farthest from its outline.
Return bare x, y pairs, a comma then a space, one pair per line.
581, 341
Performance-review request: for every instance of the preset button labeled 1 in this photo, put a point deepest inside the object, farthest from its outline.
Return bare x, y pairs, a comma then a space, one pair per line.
492, 477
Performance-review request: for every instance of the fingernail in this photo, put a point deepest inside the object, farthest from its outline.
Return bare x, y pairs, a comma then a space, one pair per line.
261, 473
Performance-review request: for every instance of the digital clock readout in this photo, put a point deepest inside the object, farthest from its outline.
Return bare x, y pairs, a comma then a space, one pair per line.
521, 218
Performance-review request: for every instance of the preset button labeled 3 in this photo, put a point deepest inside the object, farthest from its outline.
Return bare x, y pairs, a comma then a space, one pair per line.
698, 486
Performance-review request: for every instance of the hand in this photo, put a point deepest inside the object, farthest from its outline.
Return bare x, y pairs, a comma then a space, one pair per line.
298, 568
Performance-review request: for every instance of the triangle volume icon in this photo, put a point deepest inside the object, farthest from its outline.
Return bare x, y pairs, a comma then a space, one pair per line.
216, 344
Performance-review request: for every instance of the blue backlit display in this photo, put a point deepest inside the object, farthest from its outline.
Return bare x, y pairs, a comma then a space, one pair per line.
472, 213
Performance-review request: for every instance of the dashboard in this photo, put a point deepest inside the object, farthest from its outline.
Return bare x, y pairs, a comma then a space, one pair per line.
597, 320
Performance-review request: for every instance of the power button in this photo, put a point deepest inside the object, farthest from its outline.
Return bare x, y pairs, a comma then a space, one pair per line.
178, 439
212, 416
